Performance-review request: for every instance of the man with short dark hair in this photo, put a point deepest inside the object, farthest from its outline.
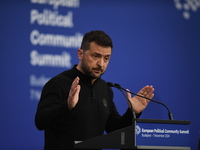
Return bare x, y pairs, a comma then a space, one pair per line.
77, 104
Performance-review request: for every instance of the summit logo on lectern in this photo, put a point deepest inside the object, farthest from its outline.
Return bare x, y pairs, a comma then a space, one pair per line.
137, 129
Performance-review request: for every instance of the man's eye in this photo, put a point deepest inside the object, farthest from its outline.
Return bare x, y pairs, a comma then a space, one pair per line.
96, 56
106, 58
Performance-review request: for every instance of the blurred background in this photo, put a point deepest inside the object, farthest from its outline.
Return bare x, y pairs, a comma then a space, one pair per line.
156, 42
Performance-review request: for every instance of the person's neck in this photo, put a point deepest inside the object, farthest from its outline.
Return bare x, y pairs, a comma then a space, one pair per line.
93, 80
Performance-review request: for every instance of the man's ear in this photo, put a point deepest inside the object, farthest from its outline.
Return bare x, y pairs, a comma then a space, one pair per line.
80, 54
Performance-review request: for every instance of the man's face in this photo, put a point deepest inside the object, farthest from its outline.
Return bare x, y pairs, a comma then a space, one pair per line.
93, 62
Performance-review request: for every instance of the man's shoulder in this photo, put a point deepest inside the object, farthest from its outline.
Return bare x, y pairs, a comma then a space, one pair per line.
65, 77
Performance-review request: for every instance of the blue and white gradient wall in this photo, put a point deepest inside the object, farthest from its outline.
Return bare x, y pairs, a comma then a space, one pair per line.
156, 42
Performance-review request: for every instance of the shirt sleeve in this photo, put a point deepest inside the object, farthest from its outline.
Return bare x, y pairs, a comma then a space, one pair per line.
52, 106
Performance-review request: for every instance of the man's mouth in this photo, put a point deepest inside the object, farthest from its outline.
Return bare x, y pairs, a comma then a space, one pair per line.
98, 70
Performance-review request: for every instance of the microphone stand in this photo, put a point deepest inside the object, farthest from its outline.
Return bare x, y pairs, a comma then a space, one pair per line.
119, 87
131, 107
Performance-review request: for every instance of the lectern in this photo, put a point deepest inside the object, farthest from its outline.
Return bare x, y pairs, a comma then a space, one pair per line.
144, 134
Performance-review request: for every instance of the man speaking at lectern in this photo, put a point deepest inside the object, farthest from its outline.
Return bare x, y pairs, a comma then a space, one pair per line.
77, 104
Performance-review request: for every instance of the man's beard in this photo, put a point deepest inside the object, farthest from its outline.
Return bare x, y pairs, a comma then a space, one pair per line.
85, 69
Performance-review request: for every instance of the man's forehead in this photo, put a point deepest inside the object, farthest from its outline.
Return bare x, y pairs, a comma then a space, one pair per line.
102, 53
101, 50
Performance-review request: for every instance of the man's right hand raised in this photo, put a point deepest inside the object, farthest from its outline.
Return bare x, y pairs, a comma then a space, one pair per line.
73, 96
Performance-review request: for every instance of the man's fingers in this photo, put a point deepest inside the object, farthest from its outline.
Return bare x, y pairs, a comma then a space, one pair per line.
78, 88
74, 93
147, 91
74, 86
75, 82
128, 94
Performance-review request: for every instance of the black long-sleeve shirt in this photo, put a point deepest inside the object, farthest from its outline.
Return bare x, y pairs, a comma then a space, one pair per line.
94, 113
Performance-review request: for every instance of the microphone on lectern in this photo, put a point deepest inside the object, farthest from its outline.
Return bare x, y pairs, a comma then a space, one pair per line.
120, 88
113, 85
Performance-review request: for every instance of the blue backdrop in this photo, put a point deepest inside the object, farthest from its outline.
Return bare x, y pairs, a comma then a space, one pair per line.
156, 42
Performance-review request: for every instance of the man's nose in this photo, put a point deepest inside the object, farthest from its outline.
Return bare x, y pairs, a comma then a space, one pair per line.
100, 62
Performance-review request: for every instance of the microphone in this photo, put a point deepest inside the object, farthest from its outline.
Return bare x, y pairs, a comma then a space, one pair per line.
120, 88
113, 85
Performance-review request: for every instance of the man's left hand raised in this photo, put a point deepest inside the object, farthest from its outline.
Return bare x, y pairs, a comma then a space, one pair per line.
139, 103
